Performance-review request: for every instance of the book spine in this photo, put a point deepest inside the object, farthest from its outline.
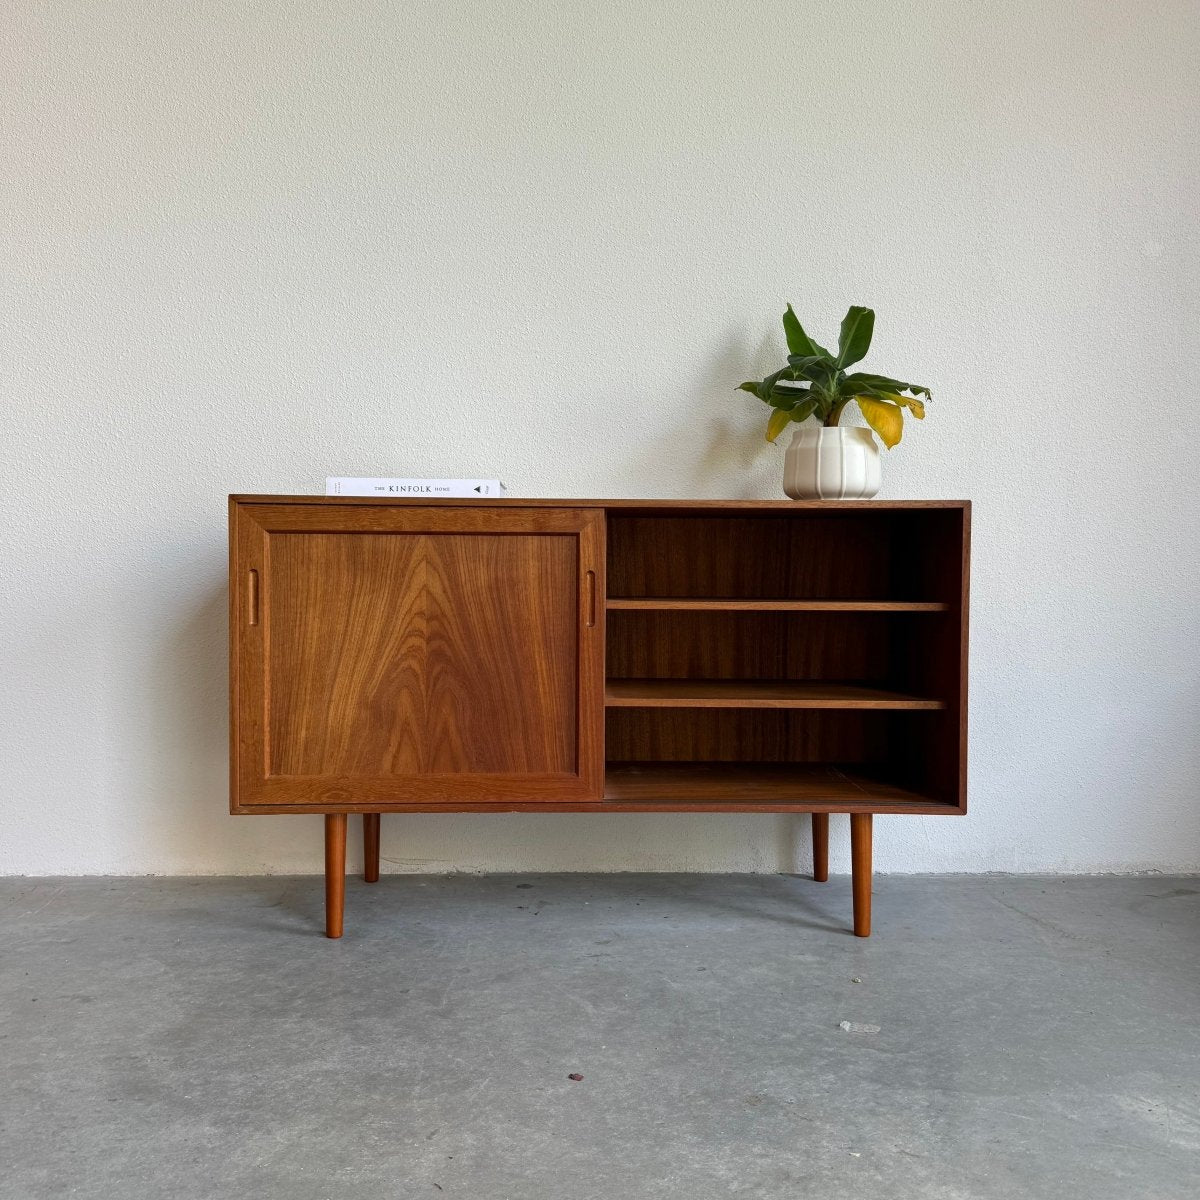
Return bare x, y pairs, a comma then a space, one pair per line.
415, 489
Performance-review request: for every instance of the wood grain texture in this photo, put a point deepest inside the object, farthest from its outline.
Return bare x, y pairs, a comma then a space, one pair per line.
774, 507
348, 620
342, 516
500, 670
804, 787
752, 645
725, 604
817, 556
861, 871
746, 735
754, 693
335, 873
395, 654
820, 846
937, 558
874, 598
417, 656
371, 847
903, 631
785, 802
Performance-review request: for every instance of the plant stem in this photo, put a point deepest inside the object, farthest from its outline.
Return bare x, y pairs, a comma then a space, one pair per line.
835, 413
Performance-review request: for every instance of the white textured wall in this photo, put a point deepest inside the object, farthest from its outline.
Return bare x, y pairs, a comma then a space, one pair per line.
249, 244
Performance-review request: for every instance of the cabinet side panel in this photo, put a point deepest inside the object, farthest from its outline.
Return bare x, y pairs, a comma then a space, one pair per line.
235, 634
247, 665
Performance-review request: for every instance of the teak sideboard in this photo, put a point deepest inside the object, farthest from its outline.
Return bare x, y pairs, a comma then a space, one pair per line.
597, 656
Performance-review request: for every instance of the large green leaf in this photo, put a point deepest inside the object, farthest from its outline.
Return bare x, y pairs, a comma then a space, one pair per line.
798, 341
804, 410
786, 397
762, 388
881, 383
813, 368
857, 327
820, 402
801, 362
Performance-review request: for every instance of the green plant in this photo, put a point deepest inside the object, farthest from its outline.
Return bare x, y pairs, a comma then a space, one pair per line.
815, 382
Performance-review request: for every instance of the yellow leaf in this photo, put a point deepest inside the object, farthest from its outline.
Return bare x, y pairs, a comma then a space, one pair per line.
886, 419
914, 406
777, 423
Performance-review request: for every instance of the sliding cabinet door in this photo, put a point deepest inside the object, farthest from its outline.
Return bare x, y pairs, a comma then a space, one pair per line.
415, 656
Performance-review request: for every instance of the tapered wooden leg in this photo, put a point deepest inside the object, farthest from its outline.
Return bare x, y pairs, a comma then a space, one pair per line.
820, 834
860, 868
371, 847
335, 873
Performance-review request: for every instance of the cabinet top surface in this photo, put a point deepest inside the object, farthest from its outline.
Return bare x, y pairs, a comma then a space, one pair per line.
643, 505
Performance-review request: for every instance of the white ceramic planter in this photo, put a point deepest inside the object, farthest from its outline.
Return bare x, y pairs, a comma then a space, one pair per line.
832, 464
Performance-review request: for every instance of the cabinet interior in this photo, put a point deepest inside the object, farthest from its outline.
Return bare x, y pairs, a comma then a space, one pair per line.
785, 655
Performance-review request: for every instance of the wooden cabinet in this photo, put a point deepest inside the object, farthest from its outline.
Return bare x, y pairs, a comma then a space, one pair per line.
593, 656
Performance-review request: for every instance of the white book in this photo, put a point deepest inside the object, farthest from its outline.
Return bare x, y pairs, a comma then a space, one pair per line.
433, 489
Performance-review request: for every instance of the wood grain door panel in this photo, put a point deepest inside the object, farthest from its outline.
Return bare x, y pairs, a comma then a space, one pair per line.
500, 684
346, 651
415, 655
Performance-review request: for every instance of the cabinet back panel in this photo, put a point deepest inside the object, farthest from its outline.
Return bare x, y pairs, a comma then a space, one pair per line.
925, 755
413, 654
741, 735
878, 554
810, 557
741, 645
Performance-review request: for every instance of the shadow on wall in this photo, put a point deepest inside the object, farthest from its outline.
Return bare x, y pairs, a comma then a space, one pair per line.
727, 425
191, 723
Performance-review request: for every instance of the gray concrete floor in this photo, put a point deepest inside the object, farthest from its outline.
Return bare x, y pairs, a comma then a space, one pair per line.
199, 1038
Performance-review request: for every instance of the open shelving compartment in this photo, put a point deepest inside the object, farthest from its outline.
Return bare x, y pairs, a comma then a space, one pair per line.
787, 660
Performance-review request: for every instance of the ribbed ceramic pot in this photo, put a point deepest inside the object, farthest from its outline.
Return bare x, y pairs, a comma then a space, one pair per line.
832, 464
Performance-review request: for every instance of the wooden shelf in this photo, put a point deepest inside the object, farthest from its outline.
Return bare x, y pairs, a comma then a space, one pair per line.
763, 787
754, 693
718, 604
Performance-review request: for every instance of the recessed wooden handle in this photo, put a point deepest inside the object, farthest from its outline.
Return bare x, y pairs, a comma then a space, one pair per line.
591, 611
252, 598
